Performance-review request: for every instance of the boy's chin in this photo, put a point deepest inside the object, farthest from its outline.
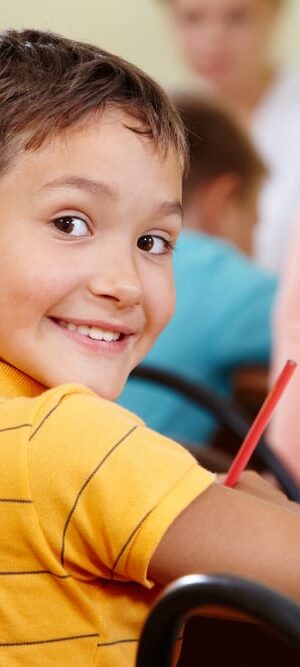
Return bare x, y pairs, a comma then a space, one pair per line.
109, 393
106, 387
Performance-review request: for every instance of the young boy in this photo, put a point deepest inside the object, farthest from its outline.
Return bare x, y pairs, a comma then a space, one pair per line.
96, 510
219, 288
226, 175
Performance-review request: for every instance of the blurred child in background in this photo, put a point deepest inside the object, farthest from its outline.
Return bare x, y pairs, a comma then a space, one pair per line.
227, 44
224, 301
222, 187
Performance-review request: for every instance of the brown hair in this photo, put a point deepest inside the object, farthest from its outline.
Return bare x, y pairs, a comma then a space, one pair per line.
48, 83
218, 145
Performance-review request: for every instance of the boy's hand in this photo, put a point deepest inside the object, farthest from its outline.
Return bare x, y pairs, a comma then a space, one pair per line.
251, 482
256, 485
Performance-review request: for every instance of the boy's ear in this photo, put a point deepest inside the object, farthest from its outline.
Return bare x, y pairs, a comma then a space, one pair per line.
212, 202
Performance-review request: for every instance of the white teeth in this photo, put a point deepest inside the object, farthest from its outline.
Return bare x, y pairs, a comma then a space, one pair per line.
70, 326
83, 330
100, 334
92, 332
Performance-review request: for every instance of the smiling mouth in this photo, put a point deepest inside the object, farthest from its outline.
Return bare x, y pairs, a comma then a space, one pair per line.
92, 332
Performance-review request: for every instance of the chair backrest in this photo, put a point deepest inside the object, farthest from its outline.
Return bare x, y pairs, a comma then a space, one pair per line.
277, 613
227, 414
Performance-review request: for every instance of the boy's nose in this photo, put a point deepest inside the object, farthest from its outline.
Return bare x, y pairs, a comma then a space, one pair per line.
119, 284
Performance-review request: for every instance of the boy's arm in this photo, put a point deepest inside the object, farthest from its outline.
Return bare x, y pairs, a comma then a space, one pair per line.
230, 531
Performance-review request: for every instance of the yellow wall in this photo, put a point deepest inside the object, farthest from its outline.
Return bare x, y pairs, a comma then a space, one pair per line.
135, 29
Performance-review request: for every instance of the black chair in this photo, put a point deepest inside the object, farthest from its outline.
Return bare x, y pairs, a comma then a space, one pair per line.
227, 415
273, 628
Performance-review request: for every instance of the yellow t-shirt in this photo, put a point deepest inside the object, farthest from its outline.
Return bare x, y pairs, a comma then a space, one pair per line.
87, 492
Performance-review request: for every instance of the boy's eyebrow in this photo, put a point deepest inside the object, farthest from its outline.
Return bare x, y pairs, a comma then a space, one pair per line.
81, 183
98, 187
171, 208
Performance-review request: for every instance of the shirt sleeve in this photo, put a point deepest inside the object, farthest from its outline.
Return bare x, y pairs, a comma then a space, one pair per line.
105, 488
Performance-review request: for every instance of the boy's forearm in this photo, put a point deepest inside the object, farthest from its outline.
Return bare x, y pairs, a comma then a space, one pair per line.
227, 531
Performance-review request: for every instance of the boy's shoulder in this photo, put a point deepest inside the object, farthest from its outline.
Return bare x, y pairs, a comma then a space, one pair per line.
81, 409
27, 407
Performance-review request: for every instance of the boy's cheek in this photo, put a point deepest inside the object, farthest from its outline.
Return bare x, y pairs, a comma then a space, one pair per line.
171, 304
167, 310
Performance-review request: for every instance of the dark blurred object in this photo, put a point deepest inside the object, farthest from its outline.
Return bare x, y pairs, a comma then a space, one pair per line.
251, 387
268, 632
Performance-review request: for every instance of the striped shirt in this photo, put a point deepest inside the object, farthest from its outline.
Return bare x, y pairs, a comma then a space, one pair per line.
86, 494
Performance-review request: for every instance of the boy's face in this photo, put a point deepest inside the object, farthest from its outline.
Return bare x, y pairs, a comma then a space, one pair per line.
86, 267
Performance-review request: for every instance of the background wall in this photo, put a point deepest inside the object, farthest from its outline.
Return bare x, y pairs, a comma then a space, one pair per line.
136, 29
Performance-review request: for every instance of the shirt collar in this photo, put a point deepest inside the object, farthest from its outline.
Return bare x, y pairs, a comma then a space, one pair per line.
14, 382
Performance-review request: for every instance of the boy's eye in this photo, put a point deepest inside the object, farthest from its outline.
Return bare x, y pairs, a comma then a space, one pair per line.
156, 245
71, 225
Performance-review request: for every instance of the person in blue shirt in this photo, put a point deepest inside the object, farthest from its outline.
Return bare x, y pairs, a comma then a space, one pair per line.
224, 300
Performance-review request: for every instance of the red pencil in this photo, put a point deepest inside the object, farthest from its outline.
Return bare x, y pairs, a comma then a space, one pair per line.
259, 425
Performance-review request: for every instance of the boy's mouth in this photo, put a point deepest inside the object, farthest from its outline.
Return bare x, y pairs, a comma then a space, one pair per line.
91, 331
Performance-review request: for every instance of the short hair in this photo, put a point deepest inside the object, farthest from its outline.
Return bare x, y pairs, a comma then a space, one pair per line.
218, 145
49, 83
